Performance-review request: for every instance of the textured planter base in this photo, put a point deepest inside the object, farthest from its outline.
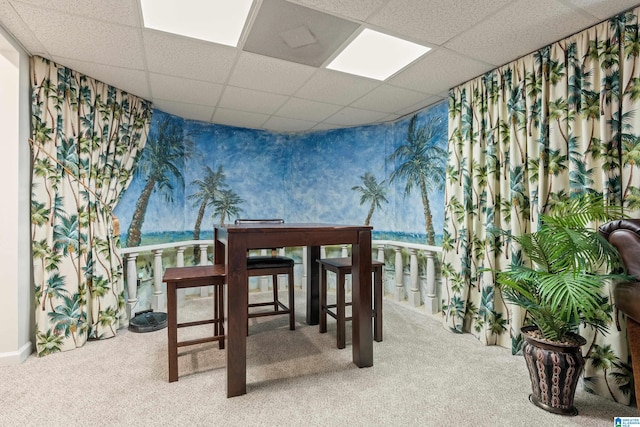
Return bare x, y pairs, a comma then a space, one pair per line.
569, 411
554, 371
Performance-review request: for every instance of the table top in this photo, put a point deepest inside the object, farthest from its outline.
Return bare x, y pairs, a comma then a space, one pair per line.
248, 227
269, 235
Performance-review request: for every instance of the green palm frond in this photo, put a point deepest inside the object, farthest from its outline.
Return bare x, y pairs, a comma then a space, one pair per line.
561, 275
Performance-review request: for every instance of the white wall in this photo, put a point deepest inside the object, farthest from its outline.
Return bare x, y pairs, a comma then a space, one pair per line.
16, 308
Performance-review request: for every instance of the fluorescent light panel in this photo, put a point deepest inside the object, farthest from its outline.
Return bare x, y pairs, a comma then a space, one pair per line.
376, 55
218, 21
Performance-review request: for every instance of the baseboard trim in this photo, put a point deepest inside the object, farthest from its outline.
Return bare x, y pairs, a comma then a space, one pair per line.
16, 357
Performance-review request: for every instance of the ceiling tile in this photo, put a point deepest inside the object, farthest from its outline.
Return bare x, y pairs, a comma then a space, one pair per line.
388, 99
235, 98
515, 31
303, 109
283, 124
82, 38
431, 100
359, 10
185, 90
269, 74
446, 18
603, 9
297, 33
116, 11
439, 69
354, 116
17, 29
184, 110
335, 88
132, 81
389, 118
239, 118
326, 126
105, 40
185, 57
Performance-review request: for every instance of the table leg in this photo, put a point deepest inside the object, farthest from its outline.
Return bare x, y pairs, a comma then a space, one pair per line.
361, 317
313, 285
236, 317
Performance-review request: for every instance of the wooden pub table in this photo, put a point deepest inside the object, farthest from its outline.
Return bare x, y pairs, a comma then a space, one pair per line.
231, 245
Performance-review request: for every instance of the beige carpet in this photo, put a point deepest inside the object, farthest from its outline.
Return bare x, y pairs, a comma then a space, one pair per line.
423, 375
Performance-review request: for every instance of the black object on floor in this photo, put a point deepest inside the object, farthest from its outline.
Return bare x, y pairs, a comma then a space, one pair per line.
148, 321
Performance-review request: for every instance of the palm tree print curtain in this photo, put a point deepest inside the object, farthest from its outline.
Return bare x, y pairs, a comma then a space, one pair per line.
86, 140
559, 122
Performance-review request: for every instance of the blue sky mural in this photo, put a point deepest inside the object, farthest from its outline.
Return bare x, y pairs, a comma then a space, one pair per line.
304, 177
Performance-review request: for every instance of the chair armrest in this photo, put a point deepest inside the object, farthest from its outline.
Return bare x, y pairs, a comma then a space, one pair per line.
627, 299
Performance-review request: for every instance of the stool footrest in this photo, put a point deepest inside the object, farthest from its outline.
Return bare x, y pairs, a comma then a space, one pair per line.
199, 341
268, 313
198, 323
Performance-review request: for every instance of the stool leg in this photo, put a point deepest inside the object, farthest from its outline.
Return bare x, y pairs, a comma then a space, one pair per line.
172, 328
292, 305
323, 299
248, 317
377, 304
220, 315
341, 309
274, 279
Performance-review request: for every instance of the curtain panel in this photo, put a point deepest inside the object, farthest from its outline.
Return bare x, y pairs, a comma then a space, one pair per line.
86, 141
558, 122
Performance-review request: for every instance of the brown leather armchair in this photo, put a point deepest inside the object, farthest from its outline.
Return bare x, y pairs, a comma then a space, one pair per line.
624, 234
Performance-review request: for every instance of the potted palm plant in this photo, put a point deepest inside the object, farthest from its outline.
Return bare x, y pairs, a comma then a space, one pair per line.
558, 279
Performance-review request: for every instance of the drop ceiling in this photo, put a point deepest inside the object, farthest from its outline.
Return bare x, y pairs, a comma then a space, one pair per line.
106, 39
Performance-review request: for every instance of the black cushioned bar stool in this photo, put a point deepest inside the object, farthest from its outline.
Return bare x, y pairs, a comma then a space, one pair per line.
341, 267
273, 266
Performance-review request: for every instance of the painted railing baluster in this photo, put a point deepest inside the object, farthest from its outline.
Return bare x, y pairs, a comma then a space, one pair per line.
132, 283
419, 287
158, 302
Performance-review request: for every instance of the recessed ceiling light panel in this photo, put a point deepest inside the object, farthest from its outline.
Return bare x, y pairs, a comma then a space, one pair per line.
376, 55
218, 21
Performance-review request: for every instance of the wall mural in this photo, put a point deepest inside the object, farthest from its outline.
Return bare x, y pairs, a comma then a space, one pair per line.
193, 175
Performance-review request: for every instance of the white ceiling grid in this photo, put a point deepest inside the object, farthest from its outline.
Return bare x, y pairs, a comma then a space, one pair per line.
105, 39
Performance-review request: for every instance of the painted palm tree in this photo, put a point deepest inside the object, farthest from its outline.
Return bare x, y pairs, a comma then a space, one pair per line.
623, 376
164, 151
209, 189
421, 162
556, 164
604, 358
108, 318
227, 205
631, 158
69, 318
66, 238
373, 192
55, 289
48, 342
